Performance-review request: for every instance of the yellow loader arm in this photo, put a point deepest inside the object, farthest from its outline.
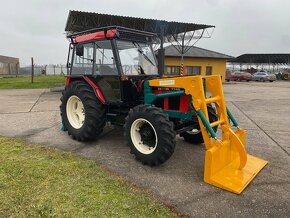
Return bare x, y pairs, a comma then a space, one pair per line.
227, 164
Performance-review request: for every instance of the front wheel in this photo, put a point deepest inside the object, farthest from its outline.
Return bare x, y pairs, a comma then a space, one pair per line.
150, 135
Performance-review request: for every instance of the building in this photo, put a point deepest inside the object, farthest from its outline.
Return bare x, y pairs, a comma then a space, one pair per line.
9, 65
196, 61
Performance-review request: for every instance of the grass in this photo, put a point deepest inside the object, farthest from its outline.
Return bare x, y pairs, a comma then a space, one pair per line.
24, 82
40, 182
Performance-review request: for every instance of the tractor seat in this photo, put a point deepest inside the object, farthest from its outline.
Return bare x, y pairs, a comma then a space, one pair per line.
107, 70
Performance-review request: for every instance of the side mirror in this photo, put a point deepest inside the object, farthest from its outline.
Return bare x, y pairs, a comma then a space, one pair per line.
80, 50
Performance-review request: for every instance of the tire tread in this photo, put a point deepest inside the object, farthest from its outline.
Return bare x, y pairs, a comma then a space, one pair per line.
164, 129
94, 111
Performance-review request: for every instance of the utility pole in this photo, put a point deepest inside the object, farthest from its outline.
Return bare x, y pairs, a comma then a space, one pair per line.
32, 70
17, 69
161, 51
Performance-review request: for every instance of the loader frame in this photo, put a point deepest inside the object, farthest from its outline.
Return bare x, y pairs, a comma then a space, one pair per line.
227, 164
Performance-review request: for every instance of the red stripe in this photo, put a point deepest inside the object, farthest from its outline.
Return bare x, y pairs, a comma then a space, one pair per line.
67, 81
97, 89
97, 35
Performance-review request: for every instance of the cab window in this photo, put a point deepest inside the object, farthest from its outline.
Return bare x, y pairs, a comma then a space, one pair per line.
105, 61
83, 59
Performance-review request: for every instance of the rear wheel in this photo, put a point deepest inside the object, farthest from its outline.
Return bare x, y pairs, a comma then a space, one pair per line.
83, 115
150, 135
195, 136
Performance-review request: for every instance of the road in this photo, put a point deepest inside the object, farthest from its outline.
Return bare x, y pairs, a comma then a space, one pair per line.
263, 109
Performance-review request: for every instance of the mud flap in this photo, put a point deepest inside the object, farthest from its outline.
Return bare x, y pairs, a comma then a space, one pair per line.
62, 127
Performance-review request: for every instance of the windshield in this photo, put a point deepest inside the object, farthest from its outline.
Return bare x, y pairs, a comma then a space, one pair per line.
137, 58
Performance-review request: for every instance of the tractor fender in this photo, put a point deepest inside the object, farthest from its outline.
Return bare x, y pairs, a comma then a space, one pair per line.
96, 89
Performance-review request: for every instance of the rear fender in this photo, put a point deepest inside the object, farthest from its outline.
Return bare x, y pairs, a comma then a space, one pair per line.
96, 89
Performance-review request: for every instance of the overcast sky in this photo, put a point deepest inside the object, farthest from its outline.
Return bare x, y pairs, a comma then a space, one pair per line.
35, 28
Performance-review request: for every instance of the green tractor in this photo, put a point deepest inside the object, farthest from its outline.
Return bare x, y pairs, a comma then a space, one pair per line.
114, 78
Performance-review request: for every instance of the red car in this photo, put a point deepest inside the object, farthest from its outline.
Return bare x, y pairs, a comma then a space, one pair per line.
239, 76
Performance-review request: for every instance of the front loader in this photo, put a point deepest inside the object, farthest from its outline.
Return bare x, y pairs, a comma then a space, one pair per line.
113, 78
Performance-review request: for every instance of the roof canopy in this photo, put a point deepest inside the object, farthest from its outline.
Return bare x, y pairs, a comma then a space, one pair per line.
80, 21
262, 58
183, 34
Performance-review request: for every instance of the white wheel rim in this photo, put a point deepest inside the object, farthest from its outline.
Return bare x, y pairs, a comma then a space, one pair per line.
137, 138
75, 112
193, 131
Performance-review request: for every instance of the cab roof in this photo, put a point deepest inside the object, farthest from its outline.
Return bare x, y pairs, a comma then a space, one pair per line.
112, 32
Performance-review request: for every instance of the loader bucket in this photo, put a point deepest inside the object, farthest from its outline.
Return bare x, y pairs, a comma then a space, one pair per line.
223, 165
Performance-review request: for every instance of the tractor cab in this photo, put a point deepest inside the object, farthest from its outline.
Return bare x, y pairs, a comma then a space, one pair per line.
117, 59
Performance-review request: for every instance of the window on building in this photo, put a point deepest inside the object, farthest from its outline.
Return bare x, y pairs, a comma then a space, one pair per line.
172, 70
193, 70
209, 70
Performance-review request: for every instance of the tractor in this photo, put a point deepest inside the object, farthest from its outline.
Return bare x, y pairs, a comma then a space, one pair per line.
113, 78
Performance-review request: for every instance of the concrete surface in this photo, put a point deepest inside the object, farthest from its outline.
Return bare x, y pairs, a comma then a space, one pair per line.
263, 109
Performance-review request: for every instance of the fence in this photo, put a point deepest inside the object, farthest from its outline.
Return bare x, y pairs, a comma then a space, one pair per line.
45, 70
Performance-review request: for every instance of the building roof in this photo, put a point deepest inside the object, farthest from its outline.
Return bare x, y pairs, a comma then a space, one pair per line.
262, 58
192, 51
80, 21
7, 59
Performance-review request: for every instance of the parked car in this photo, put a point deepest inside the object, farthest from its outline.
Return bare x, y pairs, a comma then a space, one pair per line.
228, 76
239, 76
263, 76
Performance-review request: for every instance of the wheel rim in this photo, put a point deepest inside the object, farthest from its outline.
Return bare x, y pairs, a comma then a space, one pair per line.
193, 131
75, 112
143, 136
